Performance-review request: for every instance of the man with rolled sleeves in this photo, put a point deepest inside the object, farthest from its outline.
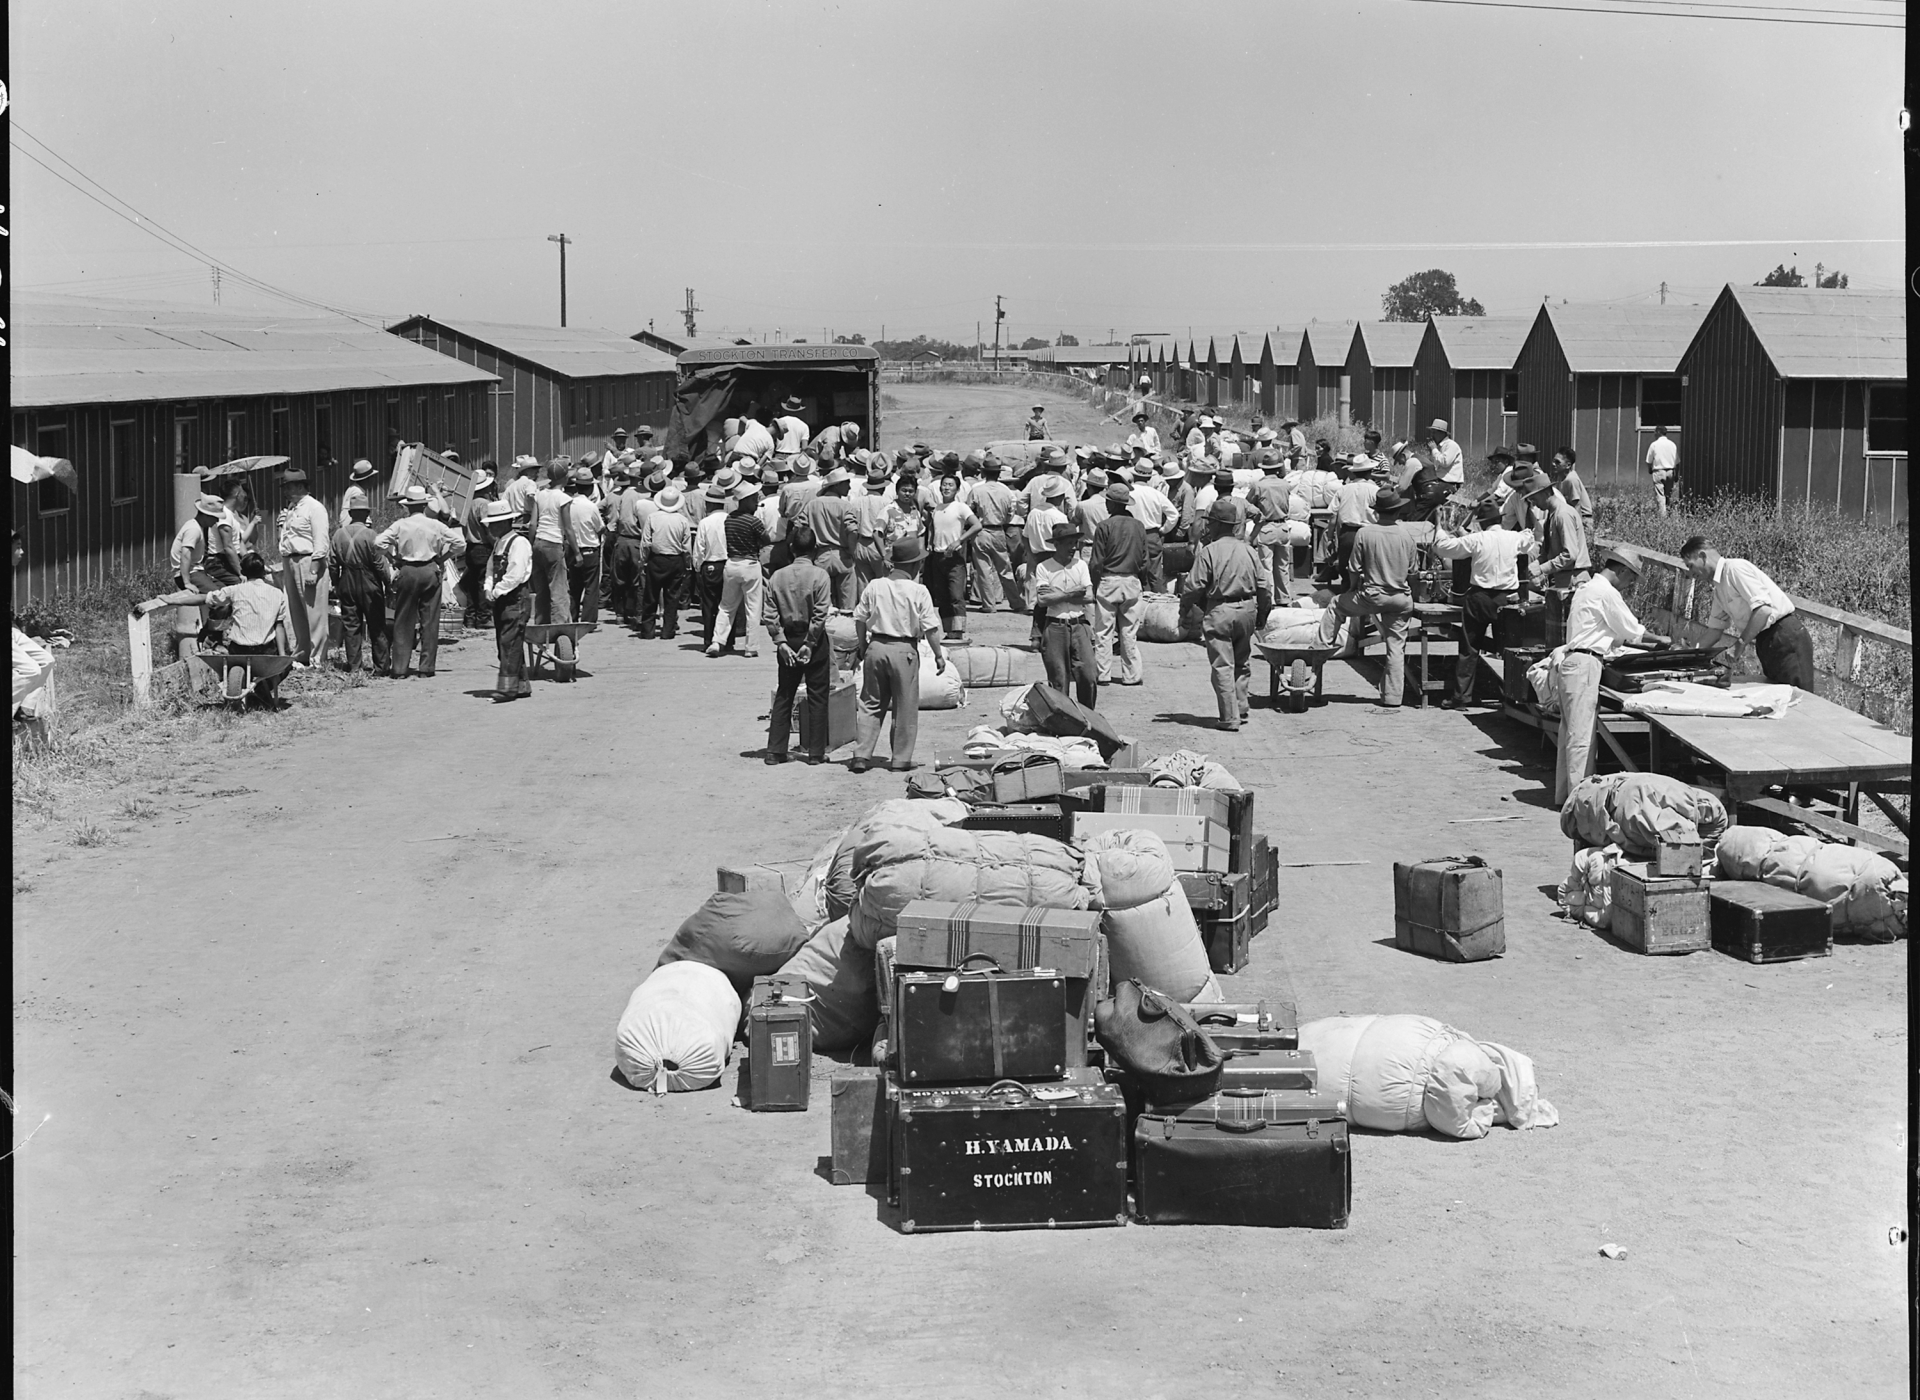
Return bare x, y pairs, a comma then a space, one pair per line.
1150, 505
1446, 452
1352, 509
1751, 609
1234, 590
1599, 623
551, 599
190, 555
509, 572
362, 573
1564, 561
1062, 633
991, 501
416, 544
870, 521
894, 613
473, 576
1383, 555
1115, 563
1497, 578
304, 539
627, 515
1275, 529
798, 599
828, 516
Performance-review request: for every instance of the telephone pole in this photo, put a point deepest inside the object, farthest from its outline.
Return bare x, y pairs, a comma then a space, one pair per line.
1663, 293
998, 317
563, 241
688, 314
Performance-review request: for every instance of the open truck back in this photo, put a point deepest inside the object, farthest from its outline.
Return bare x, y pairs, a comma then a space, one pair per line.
834, 383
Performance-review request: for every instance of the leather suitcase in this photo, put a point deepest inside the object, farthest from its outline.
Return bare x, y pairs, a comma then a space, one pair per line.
1033, 818
977, 1027
1263, 1068
1266, 883
1027, 777
1054, 712
1248, 1025
1763, 923
1228, 938
1449, 907
859, 1126
842, 701
1244, 1159
1216, 892
1010, 1156
776, 1074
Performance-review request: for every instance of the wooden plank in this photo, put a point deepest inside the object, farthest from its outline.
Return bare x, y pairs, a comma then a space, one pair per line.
1821, 824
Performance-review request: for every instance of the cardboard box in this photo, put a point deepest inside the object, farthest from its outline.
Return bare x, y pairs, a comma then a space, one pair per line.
1193, 843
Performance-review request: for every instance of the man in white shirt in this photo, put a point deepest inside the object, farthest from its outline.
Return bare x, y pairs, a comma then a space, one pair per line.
1663, 460
789, 430
1352, 508
520, 491
1037, 536
304, 542
754, 440
509, 567
991, 502
1144, 434
1599, 622
1496, 582
710, 558
1062, 632
894, 614
551, 600
1446, 453
1748, 607
1154, 509
954, 526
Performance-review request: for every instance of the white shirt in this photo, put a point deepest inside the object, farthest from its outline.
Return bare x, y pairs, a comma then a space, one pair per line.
710, 539
754, 438
1494, 552
1040, 523
768, 513
949, 523
1049, 573
1148, 437
1739, 590
1151, 507
1663, 455
791, 435
583, 525
1598, 619
303, 529
1196, 439
1446, 456
512, 558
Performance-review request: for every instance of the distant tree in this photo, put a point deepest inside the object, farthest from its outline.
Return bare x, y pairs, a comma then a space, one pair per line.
1783, 276
1066, 339
1831, 281
1424, 294
849, 340
907, 349
1032, 342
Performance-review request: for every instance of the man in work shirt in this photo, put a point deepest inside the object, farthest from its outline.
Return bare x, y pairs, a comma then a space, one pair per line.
991, 502
1599, 622
581, 539
871, 513
416, 544
1563, 546
1037, 424
1497, 581
473, 528
1062, 592
834, 442
1231, 585
627, 513
1446, 452
1115, 563
755, 440
1352, 508
710, 560
893, 615
1144, 433
520, 491
798, 600
509, 572
1150, 505
666, 545
261, 623
362, 573
190, 555
1568, 483
1383, 555
953, 526
1036, 536
789, 431
740, 578
828, 517
1275, 530
1750, 608
1663, 461
552, 600
303, 562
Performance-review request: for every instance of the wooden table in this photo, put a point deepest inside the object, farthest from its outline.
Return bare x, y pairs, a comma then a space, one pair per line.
1816, 746
1444, 618
1610, 722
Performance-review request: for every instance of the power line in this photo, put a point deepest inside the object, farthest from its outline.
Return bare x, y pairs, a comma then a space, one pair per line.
1671, 14
160, 232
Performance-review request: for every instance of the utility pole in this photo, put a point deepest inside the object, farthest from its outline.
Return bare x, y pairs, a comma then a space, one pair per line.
688, 314
998, 317
1663, 293
563, 241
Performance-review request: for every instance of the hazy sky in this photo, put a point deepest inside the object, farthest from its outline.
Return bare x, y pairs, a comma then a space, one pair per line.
806, 166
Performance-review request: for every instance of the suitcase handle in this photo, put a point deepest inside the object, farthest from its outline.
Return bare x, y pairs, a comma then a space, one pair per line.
1000, 1084
1239, 1125
952, 982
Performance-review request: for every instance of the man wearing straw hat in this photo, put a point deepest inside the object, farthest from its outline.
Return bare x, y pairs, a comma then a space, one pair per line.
473, 579
828, 516
362, 575
417, 544
1230, 583
509, 569
991, 502
1599, 622
790, 433
667, 545
1063, 632
1446, 452
892, 617
359, 483
193, 563
303, 561
1037, 430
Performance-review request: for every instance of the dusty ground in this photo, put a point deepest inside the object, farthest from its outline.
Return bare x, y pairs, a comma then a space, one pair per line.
327, 1057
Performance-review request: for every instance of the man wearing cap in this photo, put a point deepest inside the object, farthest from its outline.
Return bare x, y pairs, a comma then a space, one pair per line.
665, 546
1751, 609
1230, 584
358, 484
303, 561
1144, 433
1062, 632
829, 519
798, 601
894, 614
1037, 425
741, 578
479, 544
195, 567
362, 576
1446, 452
1498, 578
416, 544
1383, 554
991, 502
509, 576
583, 532
1663, 461
790, 434
953, 527
1116, 563
1599, 622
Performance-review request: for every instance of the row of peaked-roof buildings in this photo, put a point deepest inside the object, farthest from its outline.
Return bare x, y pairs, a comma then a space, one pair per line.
1788, 392
1795, 393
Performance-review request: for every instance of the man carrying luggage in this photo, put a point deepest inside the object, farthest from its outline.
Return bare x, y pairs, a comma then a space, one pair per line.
1234, 590
894, 613
798, 599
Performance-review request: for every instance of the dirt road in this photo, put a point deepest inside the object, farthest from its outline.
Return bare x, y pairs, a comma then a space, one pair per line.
327, 1048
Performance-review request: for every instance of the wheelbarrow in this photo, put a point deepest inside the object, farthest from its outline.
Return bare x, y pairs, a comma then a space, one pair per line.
239, 674
541, 637
1280, 659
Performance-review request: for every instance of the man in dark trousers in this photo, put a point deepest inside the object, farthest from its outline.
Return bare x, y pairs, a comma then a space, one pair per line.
473, 577
828, 515
1062, 596
798, 599
894, 613
582, 528
361, 574
509, 567
1751, 609
417, 543
663, 588
1498, 578
1232, 586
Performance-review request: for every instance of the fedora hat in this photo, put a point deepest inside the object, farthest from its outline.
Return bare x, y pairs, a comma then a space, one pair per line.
1223, 512
1140, 415
727, 477
208, 504
1064, 531
1526, 452
1438, 425
499, 512
791, 404
669, 496
1118, 494
415, 495
293, 476
1169, 471
907, 551
878, 467
717, 494
581, 476
363, 470
1387, 501
657, 478
1627, 557
1053, 456
1054, 487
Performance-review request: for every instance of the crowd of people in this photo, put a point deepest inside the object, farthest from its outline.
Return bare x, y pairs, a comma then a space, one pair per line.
777, 526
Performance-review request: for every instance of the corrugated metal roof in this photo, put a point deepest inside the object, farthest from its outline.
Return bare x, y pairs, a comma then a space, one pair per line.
1080, 354
572, 352
1332, 341
1811, 334
80, 350
1482, 342
1392, 344
1286, 344
676, 343
1624, 339
782, 354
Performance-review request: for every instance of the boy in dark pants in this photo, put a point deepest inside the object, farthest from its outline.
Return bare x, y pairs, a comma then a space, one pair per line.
798, 599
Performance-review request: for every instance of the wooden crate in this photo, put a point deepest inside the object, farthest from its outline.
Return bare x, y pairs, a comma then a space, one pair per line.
1656, 914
